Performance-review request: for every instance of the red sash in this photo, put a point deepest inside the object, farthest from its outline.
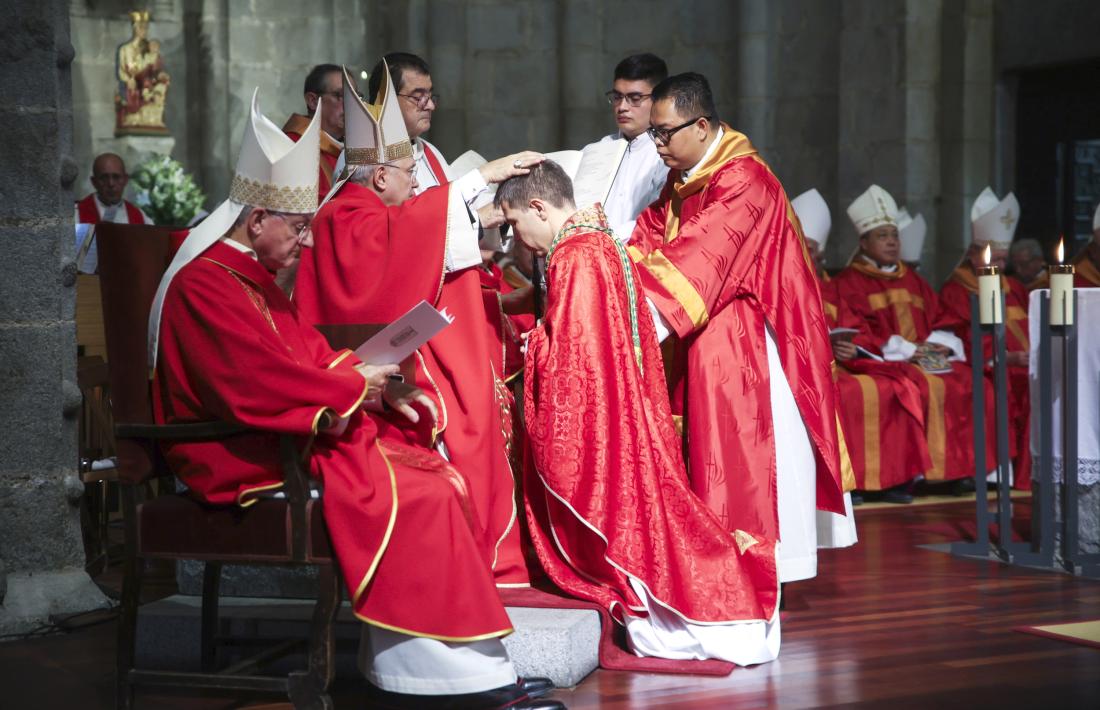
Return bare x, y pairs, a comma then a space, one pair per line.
434, 164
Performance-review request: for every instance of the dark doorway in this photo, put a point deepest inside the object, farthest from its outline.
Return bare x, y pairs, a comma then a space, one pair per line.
1058, 152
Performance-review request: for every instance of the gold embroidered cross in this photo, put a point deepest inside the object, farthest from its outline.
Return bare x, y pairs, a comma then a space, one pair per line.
1008, 220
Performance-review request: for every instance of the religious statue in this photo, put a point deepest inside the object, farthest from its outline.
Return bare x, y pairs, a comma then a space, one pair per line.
142, 82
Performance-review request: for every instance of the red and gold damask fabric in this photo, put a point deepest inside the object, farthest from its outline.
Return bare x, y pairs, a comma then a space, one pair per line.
371, 263
232, 348
881, 413
902, 303
723, 259
955, 316
607, 495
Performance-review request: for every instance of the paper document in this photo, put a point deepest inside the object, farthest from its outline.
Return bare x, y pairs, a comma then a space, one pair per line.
569, 160
599, 163
862, 352
87, 259
400, 339
470, 160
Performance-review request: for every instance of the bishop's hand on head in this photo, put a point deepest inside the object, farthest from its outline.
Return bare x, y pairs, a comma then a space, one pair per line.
501, 169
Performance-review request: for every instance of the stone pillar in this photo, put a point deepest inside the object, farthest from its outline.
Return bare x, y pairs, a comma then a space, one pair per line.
42, 556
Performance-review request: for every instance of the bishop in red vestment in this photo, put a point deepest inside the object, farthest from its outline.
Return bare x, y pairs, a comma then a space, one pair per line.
421, 248
106, 204
611, 512
324, 87
723, 264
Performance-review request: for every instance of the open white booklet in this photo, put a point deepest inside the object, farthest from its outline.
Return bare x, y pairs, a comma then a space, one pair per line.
400, 339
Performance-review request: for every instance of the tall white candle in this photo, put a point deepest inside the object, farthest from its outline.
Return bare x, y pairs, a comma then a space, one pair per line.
989, 293
1061, 290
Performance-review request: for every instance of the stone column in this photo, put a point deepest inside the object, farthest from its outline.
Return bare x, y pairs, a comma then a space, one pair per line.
42, 556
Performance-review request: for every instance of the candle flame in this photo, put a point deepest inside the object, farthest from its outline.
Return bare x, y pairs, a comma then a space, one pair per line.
986, 254
1059, 252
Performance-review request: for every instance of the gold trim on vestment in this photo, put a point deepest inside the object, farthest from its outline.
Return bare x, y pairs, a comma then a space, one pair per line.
847, 473
872, 452
255, 491
678, 286
436, 637
386, 537
935, 426
279, 198
902, 300
337, 361
369, 156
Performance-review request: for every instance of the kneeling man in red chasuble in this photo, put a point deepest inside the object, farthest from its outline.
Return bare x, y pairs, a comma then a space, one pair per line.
611, 511
226, 343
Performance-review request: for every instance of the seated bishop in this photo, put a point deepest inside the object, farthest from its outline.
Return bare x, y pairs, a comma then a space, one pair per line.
992, 225
431, 631
880, 409
897, 312
378, 251
612, 515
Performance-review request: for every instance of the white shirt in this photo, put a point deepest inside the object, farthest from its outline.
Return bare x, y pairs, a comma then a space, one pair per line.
115, 214
638, 181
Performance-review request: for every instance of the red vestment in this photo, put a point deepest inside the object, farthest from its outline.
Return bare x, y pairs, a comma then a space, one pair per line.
88, 213
370, 264
607, 494
902, 303
881, 413
295, 126
955, 316
722, 259
232, 348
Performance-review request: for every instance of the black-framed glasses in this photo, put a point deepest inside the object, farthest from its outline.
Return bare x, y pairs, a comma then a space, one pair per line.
422, 98
661, 136
634, 99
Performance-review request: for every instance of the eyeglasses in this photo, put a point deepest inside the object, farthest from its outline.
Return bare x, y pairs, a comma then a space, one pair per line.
614, 97
422, 98
301, 229
661, 136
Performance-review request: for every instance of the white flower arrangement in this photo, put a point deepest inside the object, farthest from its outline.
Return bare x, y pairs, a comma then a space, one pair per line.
167, 194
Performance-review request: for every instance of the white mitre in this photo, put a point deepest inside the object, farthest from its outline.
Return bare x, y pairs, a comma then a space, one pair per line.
273, 172
874, 208
813, 213
993, 221
911, 231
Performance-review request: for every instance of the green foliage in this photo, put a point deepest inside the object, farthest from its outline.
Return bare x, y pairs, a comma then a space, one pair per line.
167, 194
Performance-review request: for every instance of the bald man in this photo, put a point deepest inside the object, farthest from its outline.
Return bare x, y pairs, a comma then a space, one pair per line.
106, 204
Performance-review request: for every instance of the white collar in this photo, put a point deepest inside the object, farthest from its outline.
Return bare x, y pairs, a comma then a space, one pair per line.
706, 156
229, 241
639, 141
103, 205
887, 269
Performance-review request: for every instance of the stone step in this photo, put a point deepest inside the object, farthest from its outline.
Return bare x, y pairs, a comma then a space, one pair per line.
561, 644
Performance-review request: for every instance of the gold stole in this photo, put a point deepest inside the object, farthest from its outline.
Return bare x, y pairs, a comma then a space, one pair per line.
900, 299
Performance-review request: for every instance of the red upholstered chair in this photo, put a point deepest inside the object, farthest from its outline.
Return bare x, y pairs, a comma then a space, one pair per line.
177, 526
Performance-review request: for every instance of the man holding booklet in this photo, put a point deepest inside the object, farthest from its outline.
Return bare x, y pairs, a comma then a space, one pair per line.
225, 343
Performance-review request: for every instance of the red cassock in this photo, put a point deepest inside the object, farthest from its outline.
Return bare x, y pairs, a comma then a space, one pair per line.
722, 258
232, 348
902, 303
295, 126
88, 213
607, 494
370, 264
881, 413
955, 316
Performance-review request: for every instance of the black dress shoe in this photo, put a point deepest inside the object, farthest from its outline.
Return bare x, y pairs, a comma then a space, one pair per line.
507, 697
962, 486
536, 687
857, 498
540, 704
897, 495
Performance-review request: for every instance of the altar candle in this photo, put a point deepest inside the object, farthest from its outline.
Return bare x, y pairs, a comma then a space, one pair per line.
989, 292
1061, 289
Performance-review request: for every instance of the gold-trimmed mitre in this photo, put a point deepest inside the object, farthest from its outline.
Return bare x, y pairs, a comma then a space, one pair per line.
273, 171
374, 133
874, 208
992, 220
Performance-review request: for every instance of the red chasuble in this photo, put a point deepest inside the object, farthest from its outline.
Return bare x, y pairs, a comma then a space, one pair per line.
607, 494
295, 126
902, 303
232, 348
370, 264
955, 316
881, 413
722, 258
88, 213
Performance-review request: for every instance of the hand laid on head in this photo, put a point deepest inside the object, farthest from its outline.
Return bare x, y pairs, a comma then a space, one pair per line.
401, 396
501, 169
844, 350
377, 376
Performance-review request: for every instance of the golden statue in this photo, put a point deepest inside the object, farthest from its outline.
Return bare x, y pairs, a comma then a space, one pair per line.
142, 83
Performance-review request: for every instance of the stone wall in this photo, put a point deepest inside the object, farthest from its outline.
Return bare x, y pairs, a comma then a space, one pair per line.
42, 556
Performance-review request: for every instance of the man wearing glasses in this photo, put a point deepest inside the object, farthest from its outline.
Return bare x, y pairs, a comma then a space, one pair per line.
412, 79
641, 174
324, 87
728, 279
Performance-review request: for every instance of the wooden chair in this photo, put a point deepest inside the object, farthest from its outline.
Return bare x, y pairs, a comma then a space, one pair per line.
177, 526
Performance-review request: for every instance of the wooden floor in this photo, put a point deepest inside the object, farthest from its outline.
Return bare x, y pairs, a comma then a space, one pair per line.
885, 624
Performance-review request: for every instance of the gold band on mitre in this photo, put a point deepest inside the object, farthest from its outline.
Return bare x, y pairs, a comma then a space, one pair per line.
369, 156
280, 198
